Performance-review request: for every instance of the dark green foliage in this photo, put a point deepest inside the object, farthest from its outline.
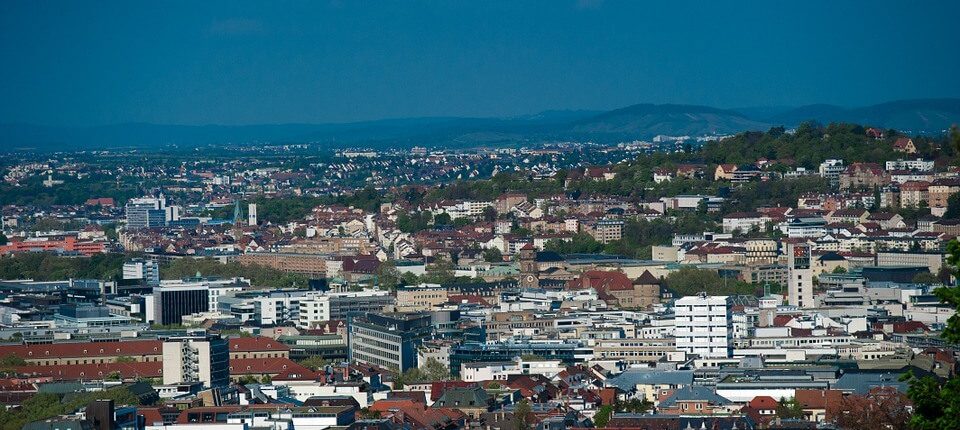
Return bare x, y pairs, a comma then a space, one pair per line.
580, 243
521, 415
490, 189
43, 406
809, 146
412, 223
441, 271
387, 275
282, 210
953, 207
314, 362
937, 403
47, 224
632, 406
49, 267
260, 276
492, 255
689, 281
602, 417
749, 196
73, 191
789, 409
442, 219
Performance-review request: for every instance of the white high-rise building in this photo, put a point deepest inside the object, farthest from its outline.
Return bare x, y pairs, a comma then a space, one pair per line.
196, 358
252, 214
704, 326
799, 276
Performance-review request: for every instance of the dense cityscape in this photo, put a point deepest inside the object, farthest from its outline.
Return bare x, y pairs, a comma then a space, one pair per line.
639, 285
495, 215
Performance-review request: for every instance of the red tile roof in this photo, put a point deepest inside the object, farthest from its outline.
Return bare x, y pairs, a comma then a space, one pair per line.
148, 369
257, 366
817, 399
256, 344
131, 348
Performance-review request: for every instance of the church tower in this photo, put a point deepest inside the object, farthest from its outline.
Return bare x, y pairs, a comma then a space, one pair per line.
528, 267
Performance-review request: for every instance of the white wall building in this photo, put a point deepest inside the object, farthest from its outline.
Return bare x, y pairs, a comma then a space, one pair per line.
704, 325
799, 276
196, 359
141, 269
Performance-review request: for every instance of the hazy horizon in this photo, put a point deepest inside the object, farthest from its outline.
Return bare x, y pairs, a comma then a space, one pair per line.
250, 63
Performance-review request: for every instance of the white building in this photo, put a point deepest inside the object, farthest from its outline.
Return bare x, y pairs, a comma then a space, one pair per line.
500, 371
744, 222
252, 214
831, 169
704, 325
141, 269
200, 358
918, 165
804, 227
800, 276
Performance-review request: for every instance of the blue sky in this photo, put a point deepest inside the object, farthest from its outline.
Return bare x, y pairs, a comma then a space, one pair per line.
246, 62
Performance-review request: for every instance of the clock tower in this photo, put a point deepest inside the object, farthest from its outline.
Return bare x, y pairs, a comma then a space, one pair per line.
528, 267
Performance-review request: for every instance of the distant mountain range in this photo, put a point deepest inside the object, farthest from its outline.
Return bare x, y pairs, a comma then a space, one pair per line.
642, 121
916, 116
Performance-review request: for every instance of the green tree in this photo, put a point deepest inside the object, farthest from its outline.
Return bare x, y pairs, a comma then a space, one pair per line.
367, 414
925, 278
632, 406
442, 219
936, 402
789, 409
690, 281
580, 243
388, 277
953, 207
521, 415
489, 214
492, 255
431, 370
314, 362
439, 272
603, 415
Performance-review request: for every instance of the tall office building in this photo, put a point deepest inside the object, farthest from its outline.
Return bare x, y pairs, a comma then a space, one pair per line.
799, 276
175, 298
388, 340
704, 325
144, 216
172, 302
252, 214
196, 358
147, 271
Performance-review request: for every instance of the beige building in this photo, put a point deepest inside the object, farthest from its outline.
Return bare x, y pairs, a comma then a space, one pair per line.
863, 175
421, 298
633, 351
941, 190
761, 251
913, 193
305, 264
